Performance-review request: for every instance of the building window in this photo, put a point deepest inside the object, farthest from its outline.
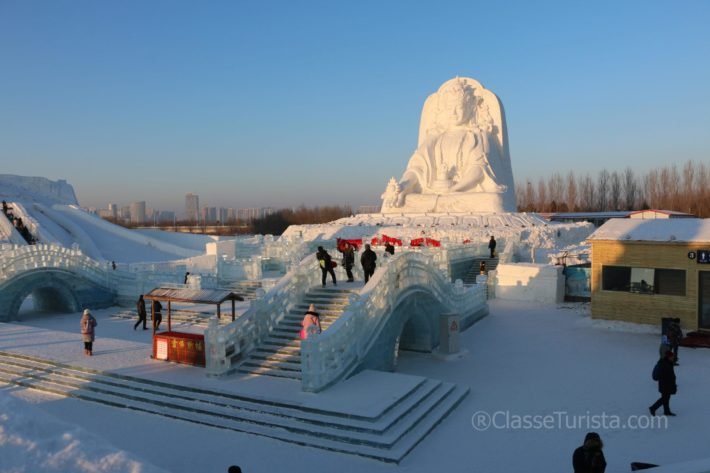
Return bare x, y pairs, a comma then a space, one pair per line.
616, 278
669, 282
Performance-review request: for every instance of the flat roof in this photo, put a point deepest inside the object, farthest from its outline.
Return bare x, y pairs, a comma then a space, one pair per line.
193, 296
657, 230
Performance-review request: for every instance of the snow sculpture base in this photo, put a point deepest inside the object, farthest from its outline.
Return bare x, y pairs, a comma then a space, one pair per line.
451, 202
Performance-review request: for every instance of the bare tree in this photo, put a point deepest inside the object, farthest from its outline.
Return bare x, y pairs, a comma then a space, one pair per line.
555, 190
615, 191
571, 192
586, 193
652, 189
603, 191
630, 189
688, 188
530, 197
542, 196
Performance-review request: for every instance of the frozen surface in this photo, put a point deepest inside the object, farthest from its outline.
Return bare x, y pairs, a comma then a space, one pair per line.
524, 359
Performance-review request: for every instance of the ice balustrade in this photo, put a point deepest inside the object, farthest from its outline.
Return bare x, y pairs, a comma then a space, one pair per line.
19, 259
226, 345
332, 355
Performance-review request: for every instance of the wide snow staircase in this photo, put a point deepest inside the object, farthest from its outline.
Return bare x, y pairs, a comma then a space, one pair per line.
409, 407
280, 354
475, 270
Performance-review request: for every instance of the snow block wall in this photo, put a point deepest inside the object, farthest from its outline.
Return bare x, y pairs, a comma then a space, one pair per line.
529, 282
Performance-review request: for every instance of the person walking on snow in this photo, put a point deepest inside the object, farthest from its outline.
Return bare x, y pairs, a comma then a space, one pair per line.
87, 324
326, 265
368, 261
310, 322
666, 384
140, 308
492, 246
157, 315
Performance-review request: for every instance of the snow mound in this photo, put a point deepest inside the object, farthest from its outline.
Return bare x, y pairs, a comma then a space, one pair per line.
36, 189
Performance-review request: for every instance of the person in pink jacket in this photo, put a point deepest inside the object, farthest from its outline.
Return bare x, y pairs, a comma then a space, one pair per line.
310, 322
87, 324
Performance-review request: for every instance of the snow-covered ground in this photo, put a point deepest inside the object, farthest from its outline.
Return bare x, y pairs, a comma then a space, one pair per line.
522, 360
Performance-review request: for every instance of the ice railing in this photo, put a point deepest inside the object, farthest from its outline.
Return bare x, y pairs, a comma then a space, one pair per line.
228, 343
20, 258
332, 355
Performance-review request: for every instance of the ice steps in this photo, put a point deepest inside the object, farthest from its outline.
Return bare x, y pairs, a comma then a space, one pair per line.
388, 437
275, 356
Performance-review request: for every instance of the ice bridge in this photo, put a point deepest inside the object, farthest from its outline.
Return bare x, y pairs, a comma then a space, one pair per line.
58, 278
364, 329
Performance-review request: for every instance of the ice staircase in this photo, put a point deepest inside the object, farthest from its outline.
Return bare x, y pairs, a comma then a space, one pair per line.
401, 411
475, 270
280, 354
247, 289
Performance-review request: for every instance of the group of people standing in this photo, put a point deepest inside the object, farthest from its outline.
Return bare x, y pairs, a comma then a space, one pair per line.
368, 260
142, 315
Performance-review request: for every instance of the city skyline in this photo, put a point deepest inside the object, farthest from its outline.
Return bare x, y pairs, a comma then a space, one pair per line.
285, 104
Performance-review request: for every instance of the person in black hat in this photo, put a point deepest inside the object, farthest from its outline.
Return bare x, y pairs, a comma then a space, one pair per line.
589, 458
666, 384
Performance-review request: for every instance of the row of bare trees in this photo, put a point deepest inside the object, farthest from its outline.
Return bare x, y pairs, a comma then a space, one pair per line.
666, 188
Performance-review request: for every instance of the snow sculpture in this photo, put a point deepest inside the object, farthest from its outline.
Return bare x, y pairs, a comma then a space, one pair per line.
462, 162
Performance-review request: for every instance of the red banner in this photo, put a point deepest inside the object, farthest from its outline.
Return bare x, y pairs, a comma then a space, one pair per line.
425, 242
357, 243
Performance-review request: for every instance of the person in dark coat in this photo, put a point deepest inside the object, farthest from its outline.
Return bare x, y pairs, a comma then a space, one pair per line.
666, 384
368, 261
389, 248
187, 275
492, 246
157, 315
675, 335
589, 458
348, 260
326, 265
87, 325
140, 308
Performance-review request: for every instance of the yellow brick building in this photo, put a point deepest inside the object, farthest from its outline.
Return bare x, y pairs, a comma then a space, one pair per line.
644, 270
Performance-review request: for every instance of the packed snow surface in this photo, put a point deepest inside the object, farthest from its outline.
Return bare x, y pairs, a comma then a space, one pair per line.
521, 360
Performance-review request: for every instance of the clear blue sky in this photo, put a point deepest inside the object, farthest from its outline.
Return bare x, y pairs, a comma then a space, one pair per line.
265, 103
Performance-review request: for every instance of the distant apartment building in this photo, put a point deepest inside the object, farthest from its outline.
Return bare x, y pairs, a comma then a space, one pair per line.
209, 215
192, 207
113, 211
231, 215
222, 215
137, 212
247, 215
165, 216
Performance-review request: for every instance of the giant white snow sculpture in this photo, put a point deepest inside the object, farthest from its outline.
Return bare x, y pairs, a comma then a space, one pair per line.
462, 162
